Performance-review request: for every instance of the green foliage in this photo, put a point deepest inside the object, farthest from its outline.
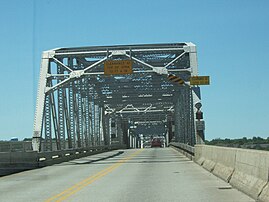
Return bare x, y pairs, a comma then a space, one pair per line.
27, 139
251, 143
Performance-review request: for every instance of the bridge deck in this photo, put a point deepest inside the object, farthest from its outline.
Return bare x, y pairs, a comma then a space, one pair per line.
153, 174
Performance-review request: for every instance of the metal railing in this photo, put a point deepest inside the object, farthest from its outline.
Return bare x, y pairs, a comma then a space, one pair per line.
187, 150
18, 160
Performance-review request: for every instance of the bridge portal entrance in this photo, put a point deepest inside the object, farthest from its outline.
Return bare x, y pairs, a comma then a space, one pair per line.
90, 96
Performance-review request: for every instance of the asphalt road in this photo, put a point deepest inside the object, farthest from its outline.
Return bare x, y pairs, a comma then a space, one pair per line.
153, 174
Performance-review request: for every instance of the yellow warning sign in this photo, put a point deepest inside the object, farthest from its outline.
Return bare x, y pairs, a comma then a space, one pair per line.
118, 67
176, 79
199, 80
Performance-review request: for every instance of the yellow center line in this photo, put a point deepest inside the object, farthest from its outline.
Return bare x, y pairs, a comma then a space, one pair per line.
86, 184
78, 186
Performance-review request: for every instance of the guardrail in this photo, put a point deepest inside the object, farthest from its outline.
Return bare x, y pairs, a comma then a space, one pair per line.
50, 158
187, 150
12, 162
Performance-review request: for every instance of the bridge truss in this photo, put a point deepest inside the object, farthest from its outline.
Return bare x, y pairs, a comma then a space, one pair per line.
78, 105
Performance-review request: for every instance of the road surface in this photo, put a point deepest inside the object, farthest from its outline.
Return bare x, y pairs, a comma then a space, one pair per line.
151, 174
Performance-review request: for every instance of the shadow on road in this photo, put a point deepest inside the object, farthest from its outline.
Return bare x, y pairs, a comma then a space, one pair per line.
96, 160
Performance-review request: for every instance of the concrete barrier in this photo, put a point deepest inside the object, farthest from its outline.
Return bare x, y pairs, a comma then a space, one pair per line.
12, 146
210, 161
218, 160
251, 172
246, 170
198, 158
12, 162
264, 196
225, 163
4, 157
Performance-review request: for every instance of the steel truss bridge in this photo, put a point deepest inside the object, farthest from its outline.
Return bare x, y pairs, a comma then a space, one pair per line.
79, 105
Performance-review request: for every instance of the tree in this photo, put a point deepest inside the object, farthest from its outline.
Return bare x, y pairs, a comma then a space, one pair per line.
27, 139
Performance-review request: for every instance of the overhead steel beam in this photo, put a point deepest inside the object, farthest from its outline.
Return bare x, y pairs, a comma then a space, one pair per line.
75, 95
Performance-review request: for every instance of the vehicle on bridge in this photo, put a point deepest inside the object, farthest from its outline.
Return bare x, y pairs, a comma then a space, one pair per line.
156, 142
147, 144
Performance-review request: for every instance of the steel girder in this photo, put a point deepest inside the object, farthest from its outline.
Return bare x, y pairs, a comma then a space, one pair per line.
184, 116
74, 94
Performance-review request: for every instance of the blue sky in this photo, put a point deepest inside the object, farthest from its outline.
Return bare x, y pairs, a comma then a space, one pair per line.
232, 38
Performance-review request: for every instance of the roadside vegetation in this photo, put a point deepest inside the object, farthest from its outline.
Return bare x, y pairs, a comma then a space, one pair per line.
247, 143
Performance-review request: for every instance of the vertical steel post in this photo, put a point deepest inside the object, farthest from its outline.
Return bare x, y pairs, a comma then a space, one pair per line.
71, 114
48, 138
80, 117
61, 121
36, 141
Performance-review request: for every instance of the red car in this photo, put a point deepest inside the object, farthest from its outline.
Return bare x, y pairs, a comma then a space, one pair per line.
156, 142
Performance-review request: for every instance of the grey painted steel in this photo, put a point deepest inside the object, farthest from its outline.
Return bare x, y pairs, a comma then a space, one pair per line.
184, 116
74, 94
158, 174
44, 70
185, 149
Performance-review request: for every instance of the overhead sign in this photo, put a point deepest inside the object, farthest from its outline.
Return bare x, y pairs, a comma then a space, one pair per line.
118, 67
199, 80
200, 125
